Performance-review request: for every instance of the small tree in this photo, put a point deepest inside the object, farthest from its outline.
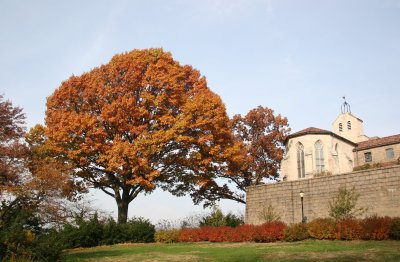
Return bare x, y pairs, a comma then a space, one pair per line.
268, 214
344, 204
217, 218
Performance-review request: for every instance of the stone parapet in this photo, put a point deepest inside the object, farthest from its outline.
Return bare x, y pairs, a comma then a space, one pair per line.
379, 191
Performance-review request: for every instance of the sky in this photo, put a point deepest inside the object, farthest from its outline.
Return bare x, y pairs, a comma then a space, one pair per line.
297, 57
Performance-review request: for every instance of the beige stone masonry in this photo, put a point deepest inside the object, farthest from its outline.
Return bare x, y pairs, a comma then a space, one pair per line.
379, 190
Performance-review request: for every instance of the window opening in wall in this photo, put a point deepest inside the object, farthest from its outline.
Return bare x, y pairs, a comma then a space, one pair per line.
300, 161
319, 156
348, 125
389, 153
368, 156
351, 164
340, 127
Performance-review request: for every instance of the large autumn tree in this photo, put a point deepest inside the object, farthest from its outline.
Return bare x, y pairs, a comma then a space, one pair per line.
261, 134
140, 121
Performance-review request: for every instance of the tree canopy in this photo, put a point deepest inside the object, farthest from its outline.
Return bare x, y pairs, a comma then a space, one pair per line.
13, 151
261, 135
140, 121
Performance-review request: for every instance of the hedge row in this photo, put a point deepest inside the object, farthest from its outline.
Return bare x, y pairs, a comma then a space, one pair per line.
371, 228
93, 233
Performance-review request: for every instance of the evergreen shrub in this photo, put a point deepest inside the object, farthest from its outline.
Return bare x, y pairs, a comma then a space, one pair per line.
394, 232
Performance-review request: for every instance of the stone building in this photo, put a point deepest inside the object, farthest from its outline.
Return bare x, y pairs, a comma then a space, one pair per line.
314, 152
329, 159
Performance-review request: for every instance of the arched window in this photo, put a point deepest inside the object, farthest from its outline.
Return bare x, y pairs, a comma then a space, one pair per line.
300, 161
348, 125
340, 127
319, 156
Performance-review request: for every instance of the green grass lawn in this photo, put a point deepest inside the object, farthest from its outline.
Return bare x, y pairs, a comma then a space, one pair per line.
310, 250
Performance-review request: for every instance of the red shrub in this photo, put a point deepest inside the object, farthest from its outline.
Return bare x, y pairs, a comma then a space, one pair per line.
219, 234
376, 228
322, 228
270, 232
348, 229
243, 233
190, 235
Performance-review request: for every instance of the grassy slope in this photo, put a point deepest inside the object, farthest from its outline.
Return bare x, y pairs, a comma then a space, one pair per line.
310, 250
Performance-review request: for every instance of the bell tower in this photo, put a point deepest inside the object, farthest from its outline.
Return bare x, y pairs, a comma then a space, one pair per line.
349, 126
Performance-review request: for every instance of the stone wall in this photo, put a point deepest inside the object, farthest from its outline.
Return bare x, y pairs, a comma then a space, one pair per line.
378, 155
379, 190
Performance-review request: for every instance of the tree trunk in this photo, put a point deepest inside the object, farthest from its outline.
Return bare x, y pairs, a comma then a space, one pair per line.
122, 211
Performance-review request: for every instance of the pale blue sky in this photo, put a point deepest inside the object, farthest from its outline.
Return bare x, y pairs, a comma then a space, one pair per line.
297, 57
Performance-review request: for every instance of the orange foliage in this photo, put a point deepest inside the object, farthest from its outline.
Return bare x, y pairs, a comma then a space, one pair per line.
140, 121
259, 137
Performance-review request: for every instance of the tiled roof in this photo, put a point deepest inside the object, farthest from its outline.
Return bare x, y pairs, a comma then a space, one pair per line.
316, 131
377, 142
310, 130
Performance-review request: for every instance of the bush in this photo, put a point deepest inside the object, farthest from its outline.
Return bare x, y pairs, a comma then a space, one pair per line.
93, 233
322, 228
218, 234
242, 233
138, 230
167, 236
296, 232
217, 219
270, 232
376, 228
232, 220
348, 229
190, 235
23, 239
362, 167
48, 247
113, 233
394, 232
90, 233
344, 204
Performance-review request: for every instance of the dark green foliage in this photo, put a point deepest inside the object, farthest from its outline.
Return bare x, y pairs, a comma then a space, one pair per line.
22, 237
90, 232
93, 232
216, 218
48, 247
395, 229
138, 230
112, 233
233, 220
